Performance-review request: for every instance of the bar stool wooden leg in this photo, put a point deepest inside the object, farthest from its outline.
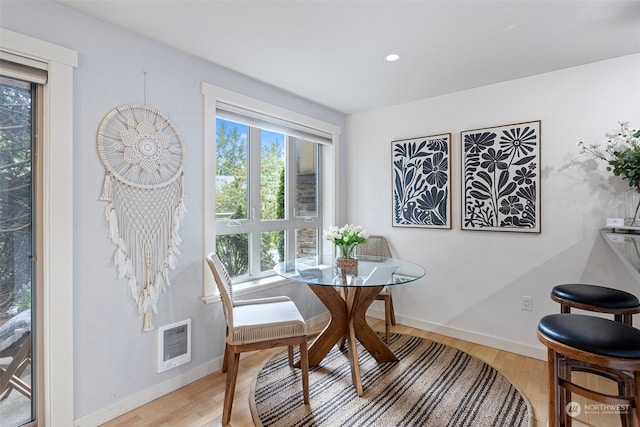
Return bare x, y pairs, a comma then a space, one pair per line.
554, 387
627, 388
565, 394
636, 387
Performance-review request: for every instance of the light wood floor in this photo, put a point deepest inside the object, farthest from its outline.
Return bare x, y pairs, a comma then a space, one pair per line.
200, 403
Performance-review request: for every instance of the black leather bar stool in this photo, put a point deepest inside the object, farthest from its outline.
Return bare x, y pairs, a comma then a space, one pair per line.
573, 339
598, 299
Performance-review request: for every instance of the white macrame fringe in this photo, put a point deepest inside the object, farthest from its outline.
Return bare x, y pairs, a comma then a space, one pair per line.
106, 188
144, 291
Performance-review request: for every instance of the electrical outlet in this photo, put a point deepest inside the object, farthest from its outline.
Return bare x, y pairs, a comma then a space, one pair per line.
525, 303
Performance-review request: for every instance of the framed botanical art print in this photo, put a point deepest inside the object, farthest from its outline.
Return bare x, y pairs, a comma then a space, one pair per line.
422, 181
501, 178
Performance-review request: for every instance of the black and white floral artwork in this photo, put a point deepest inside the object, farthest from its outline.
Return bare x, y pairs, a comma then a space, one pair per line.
501, 174
422, 182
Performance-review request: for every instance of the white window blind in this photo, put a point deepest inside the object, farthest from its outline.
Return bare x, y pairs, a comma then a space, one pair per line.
260, 120
22, 68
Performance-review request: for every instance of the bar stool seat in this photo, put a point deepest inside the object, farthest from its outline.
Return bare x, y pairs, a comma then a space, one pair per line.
596, 342
597, 299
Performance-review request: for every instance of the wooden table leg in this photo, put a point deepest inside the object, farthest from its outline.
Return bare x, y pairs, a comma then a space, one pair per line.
335, 329
348, 319
367, 336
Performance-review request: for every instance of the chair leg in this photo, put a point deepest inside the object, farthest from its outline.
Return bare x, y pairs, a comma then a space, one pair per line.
290, 353
344, 293
387, 317
225, 358
10, 378
392, 311
343, 343
304, 364
230, 388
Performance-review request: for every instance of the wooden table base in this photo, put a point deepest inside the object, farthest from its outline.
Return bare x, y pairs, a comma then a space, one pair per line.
348, 320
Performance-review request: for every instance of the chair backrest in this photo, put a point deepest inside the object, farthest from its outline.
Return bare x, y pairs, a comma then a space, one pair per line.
374, 246
223, 281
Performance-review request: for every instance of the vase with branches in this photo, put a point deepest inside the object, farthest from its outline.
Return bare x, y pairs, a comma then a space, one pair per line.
621, 151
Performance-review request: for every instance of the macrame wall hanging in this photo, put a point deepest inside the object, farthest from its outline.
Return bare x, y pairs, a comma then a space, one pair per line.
143, 187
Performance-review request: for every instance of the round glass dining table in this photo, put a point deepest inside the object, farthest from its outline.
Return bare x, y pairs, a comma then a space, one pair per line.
347, 294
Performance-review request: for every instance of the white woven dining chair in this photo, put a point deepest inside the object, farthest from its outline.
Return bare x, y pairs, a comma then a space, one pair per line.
378, 246
255, 325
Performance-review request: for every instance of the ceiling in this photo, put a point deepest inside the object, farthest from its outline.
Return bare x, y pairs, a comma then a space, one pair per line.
331, 52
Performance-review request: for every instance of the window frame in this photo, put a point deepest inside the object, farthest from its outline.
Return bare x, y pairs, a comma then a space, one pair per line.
329, 184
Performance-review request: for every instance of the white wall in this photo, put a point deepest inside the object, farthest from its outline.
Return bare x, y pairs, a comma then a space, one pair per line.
475, 279
114, 361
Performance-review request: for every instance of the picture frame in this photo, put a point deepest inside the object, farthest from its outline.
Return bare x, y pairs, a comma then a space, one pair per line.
422, 181
501, 178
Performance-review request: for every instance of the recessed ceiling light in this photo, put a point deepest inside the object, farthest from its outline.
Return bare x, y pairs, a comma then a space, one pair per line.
391, 57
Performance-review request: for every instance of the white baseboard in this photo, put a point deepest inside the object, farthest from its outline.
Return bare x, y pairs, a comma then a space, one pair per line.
145, 396
132, 402
513, 347
127, 404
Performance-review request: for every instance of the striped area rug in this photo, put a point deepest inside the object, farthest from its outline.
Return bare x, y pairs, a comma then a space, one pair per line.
431, 385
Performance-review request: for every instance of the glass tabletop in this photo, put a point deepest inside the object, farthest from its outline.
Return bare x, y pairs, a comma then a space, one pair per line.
372, 271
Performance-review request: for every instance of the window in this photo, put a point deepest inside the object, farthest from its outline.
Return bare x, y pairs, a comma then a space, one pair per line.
269, 184
267, 187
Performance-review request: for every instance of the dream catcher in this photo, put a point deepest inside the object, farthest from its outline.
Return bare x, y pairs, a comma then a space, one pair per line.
143, 188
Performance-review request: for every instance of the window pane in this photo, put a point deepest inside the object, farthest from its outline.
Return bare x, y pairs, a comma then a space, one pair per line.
306, 179
233, 250
306, 242
263, 176
16, 284
272, 175
231, 170
271, 249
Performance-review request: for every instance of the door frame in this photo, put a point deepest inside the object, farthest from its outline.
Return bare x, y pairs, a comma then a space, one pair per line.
55, 388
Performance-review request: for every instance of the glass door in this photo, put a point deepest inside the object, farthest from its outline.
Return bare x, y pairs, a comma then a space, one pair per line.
17, 139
